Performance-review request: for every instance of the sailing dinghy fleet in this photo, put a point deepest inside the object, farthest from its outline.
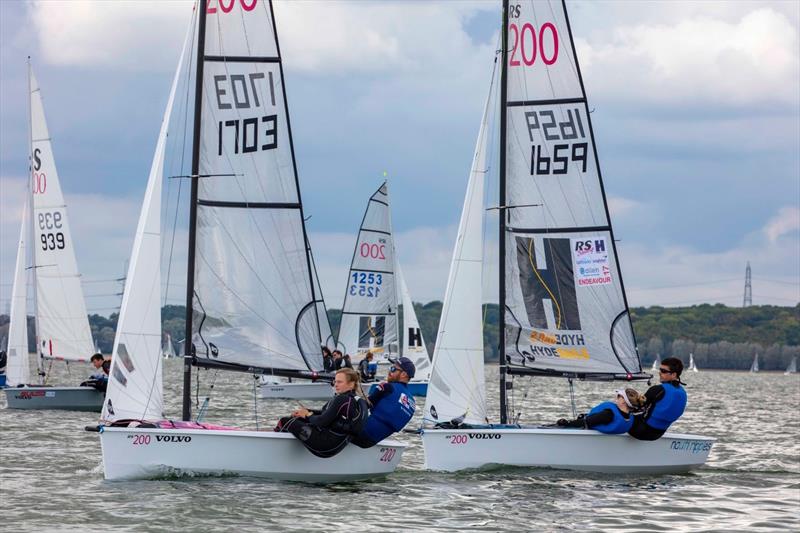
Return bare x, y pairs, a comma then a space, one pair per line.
254, 303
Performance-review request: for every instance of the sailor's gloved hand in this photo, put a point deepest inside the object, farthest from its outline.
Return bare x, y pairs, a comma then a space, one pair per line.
562, 422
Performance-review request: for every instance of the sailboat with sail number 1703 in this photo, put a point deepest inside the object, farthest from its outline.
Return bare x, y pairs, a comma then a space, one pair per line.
251, 301
563, 308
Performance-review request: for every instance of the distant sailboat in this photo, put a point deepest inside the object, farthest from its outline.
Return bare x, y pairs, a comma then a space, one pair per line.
168, 349
692, 364
792, 368
656, 364
754, 366
61, 324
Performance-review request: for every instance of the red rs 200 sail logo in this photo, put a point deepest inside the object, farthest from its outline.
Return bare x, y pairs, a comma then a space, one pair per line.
527, 43
226, 6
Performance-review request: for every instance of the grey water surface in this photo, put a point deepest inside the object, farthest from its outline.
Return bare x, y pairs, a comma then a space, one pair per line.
51, 475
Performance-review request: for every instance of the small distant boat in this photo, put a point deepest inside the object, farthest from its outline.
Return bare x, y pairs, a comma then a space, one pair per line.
792, 368
656, 364
692, 364
61, 324
754, 366
168, 349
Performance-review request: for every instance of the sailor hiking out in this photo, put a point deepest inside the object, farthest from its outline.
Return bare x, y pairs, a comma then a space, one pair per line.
392, 404
325, 432
664, 403
610, 417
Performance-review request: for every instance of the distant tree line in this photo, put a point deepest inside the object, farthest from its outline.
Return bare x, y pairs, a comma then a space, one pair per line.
718, 336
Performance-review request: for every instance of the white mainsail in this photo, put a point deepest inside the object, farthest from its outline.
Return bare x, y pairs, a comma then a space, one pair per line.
254, 301
754, 366
62, 324
792, 368
692, 364
369, 313
18, 369
135, 388
413, 344
457, 385
565, 311
656, 362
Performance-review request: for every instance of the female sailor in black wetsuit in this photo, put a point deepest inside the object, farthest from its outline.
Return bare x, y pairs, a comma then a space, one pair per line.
325, 432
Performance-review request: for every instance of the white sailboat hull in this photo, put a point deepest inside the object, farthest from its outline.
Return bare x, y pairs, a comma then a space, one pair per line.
296, 391
62, 398
567, 449
139, 453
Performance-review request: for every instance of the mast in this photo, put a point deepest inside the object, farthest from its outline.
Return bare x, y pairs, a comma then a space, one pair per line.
502, 215
39, 367
198, 102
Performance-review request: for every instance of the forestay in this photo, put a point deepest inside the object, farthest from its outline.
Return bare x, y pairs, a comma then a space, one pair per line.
457, 385
254, 301
413, 344
369, 313
62, 325
135, 389
565, 307
18, 369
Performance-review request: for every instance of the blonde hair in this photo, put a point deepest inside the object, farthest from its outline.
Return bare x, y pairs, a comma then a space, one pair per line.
636, 398
354, 377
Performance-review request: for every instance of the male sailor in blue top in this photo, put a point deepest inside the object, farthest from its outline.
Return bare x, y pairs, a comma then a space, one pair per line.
610, 417
664, 403
392, 404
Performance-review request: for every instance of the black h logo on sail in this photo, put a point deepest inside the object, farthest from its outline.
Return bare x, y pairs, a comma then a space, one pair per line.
367, 331
414, 337
555, 283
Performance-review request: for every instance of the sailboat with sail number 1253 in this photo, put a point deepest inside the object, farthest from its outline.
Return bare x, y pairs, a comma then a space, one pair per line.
251, 302
563, 308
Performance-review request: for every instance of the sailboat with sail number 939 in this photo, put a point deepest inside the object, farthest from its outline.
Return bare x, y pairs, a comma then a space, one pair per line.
251, 300
564, 313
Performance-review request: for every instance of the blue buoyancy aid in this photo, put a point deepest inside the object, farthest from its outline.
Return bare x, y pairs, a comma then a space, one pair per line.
618, 425
669, 408
390, 414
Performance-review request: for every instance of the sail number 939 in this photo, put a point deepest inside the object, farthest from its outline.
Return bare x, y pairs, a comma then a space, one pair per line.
49, 224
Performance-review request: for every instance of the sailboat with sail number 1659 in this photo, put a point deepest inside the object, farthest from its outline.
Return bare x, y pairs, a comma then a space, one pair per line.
251, 302
563, 308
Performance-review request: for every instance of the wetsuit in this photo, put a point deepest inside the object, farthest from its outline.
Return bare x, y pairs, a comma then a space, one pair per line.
664, 405
392, 408
328, 430
327, 363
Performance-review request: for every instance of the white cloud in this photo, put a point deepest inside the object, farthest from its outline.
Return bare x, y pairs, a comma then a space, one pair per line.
317, 36
753, 60
786, 221
122, 34
622, 207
